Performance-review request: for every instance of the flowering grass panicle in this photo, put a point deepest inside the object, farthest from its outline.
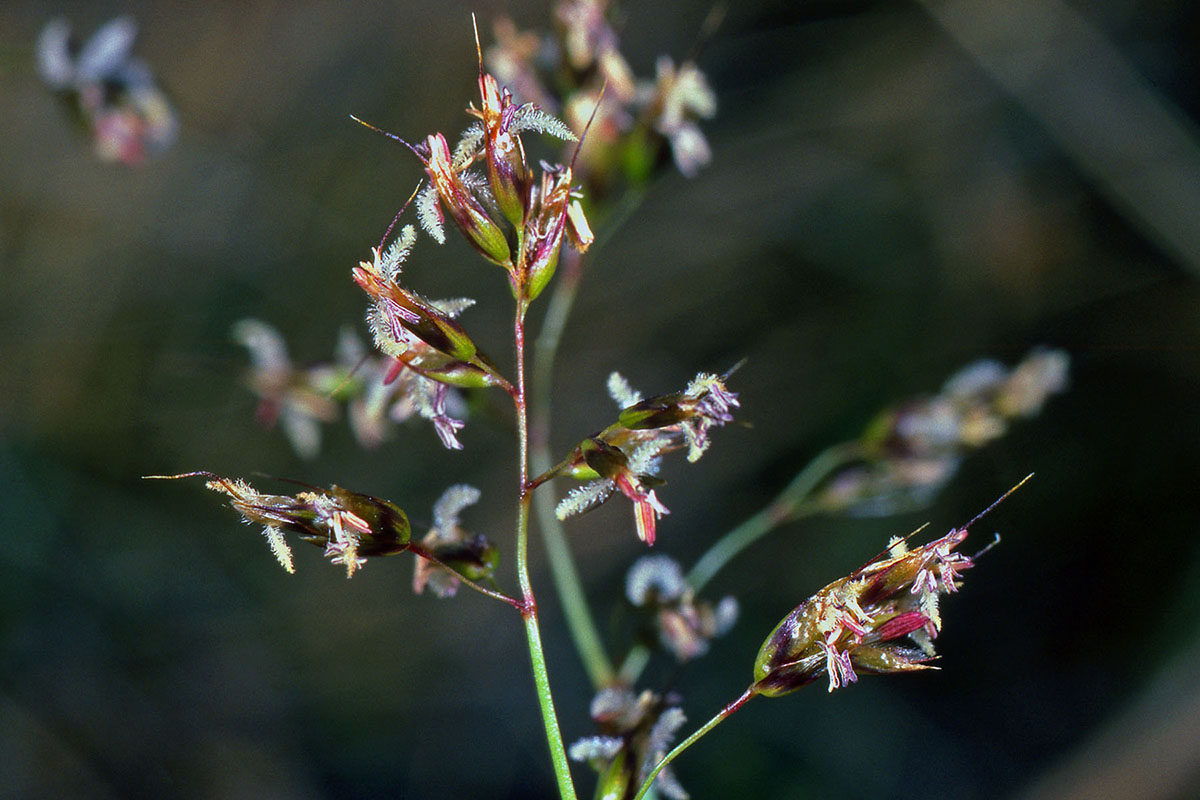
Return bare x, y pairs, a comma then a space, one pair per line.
625, 456
880, 618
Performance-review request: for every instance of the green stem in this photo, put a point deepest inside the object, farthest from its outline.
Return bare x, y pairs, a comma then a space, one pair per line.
567, 583
721, 716
790, 504
635, 661
537, 656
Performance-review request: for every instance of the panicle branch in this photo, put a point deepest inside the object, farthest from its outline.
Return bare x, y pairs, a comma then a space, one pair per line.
625, 456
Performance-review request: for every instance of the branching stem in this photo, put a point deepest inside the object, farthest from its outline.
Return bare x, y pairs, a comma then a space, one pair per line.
519, 605
541, 677
567, 583
580, 623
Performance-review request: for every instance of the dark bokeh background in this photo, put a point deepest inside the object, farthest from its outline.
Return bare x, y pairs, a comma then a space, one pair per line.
894, 194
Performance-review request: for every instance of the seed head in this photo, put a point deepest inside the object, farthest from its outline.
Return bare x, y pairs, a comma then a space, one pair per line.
350, 526
910, 452
459, 200
859, 622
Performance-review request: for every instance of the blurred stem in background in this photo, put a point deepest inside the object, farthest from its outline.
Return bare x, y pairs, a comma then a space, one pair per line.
1138, 148
1149, 751
789, 505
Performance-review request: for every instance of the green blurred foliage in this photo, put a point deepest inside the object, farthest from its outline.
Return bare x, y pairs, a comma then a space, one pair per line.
880, 212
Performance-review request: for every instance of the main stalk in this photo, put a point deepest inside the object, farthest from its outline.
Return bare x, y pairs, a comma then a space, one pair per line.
541, 678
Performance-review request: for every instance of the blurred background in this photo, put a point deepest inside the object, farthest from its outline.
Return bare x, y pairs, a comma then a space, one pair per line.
897, 190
